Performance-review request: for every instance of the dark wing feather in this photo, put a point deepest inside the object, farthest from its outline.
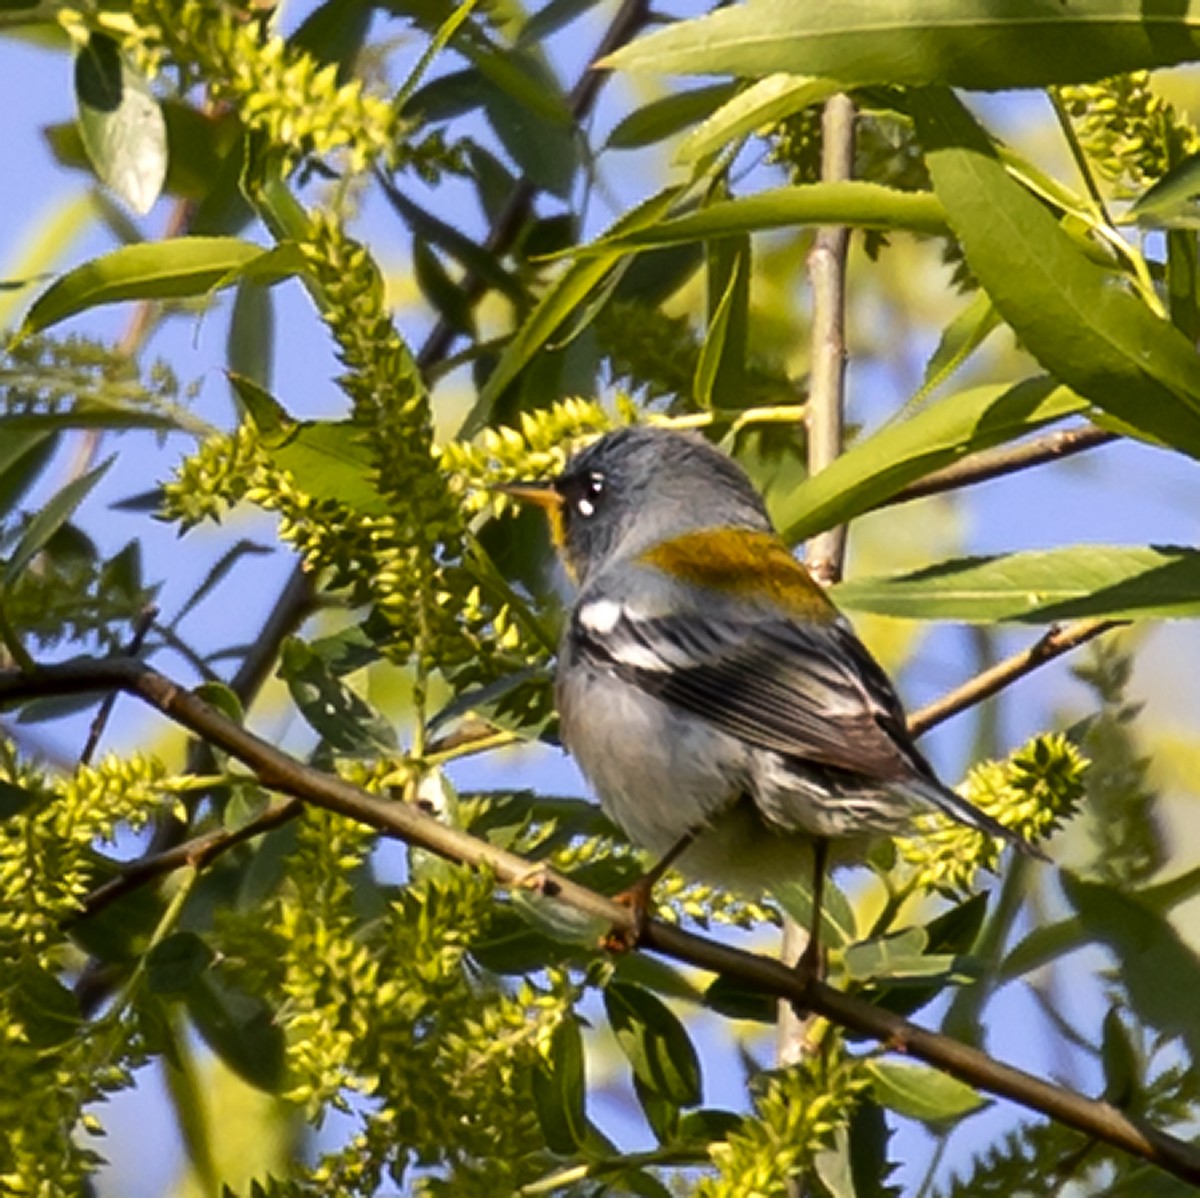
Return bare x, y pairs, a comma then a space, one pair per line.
811, 692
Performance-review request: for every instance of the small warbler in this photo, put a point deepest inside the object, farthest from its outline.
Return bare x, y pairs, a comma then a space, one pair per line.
725, 712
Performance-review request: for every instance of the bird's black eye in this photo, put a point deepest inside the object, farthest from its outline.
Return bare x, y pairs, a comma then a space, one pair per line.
584, 493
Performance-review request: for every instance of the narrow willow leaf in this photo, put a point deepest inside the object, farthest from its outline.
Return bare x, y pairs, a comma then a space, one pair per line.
860, 205
977, 44
173, 269
668, 115
1051, 941
1149, 950
240, 1028
937, 435
250, 348
920, 1092
1112, 581
1074, 315
559, 1093
768, 101
49, 520
121, 123
655, 1043
345, 720
555, 307
959, 340
1174, 200
721, 367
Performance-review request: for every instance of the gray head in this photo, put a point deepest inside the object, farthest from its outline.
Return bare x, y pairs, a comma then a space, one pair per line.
638, 486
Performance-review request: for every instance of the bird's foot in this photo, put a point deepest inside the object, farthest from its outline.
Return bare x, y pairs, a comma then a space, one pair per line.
639, 899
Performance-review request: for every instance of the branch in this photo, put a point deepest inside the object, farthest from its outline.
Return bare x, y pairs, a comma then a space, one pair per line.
630, 17
408, 822
198, 852
1053, 643
993, 463
827, 376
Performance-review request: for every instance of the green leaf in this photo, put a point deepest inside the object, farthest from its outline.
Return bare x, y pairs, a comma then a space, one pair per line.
554, 308
559, 1093
49, 520
329, 459
45, 1010
447, 298
224, 698
14, 799
550, 18
760, 106
1149, 951
666, 116
1074, 315
894, 956
175, 963
24, 454
721, 368
901, 452
543, 145
240, 1028
1051, 941
250, 350
171, 269
201, 147
121, 123
734, 999
960, 339
1112, 581
347, 722
1173, 202
838, 925
655, 1043
919, 1092
267, 414
966, 43
1122, 1067
334, 32
861, 205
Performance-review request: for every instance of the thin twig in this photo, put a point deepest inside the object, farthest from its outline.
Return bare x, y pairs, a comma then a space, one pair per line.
630, 17
408, 822
141, 627
198, 852
1054, 643
993, 463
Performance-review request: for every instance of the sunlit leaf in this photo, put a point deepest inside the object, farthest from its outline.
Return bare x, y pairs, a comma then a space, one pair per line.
1115, 581
937, 435
121, 123
172, 269
966, 43
760, 106
920, 1092
1075, 316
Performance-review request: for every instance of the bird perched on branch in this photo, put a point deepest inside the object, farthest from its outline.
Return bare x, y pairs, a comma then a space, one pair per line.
728, 717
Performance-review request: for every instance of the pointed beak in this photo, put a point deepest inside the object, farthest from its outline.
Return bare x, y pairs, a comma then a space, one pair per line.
544, 494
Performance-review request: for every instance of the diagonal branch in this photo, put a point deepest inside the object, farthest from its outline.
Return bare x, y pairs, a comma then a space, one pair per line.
1053, 643
994, 463
408, 822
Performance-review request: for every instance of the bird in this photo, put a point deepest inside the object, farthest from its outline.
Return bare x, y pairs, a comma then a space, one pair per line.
728, 717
